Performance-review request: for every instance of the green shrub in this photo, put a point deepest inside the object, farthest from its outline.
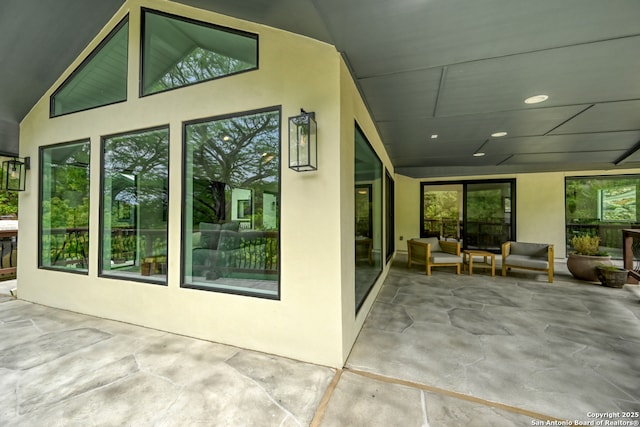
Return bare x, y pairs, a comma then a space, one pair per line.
585, 244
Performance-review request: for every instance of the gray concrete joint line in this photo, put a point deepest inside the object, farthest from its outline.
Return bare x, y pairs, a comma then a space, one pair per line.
423, 401
450, 393
36, 326
596, 372
271, 398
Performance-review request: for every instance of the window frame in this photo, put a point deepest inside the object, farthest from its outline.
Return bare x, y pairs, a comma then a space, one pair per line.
230, 30
183, 209
381, 219
389, 214
101, 223
464, 183
41, 150
599, 222
84, 63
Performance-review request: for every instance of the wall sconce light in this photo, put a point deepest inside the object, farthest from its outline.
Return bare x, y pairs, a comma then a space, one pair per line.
14, 173
303, 142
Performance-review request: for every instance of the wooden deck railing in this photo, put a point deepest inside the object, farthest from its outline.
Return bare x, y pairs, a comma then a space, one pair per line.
631, 253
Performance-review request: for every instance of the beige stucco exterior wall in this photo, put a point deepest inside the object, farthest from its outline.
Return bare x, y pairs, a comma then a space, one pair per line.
353, 110
540, 209
312, 321
407, 210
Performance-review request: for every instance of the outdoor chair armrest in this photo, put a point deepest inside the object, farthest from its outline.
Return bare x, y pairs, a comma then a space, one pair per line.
452, 248
506, 249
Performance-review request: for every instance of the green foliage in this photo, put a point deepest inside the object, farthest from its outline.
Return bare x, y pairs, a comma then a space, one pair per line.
8, 203
585, 244
441, 204
589, 200
485, 205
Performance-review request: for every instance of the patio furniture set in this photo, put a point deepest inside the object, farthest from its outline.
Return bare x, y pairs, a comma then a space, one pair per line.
433, 252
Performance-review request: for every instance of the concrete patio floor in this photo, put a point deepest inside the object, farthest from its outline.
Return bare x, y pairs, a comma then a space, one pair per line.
444, 350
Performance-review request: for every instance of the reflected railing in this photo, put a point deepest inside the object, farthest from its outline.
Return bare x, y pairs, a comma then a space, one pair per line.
609, 234
70, 246
486, 235
8, 252
631, 253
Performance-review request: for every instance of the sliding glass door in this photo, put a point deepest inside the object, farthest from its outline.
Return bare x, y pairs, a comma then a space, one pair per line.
488, 215
479, 214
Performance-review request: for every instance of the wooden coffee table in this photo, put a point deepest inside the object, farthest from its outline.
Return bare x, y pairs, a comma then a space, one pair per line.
489, 259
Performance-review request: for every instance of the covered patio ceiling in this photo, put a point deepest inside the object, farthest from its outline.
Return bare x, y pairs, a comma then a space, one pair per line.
457, 69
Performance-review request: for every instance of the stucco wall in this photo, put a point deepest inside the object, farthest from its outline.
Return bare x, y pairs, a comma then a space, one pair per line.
353, 110
294, 72
540, 209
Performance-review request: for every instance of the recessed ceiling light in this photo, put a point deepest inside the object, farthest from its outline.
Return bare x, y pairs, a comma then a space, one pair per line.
536, 99
478, 154
498, 134
434, 136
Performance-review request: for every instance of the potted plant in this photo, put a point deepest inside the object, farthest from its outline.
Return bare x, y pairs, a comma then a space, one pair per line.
587, 256
612, 276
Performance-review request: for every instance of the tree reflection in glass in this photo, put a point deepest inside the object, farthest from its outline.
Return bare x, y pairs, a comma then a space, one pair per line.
64, 206
134, 205
231, 238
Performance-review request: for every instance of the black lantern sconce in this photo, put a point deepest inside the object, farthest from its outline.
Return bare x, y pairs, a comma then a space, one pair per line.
303, 142
14, 173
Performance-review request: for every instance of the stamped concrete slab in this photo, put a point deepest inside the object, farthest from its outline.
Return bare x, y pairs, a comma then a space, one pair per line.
440, 350
292, 385
49, 347
389, 317
368, 402
557, 349
90, 371
477, 322
360, 401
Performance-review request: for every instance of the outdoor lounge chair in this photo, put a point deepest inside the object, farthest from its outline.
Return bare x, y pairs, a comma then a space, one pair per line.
530, 256
434, 253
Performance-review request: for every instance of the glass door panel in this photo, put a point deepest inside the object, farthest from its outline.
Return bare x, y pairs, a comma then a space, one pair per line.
442, 211
488, 215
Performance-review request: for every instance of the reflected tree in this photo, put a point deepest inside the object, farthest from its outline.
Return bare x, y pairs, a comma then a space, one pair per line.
235, 153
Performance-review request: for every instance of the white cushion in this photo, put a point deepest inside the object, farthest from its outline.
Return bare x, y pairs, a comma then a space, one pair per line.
433, 241
445, 258
527, 261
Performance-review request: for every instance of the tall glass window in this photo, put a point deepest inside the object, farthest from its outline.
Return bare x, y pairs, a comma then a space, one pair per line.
390, 223
368, 217
177, 52
100, 80
64, 207
231, 207
602, 206
134, 205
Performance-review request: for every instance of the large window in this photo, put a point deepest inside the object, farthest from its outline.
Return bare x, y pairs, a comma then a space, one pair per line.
231, 204
64, 207
100, 80
602, 206
178, 52
134, 205
390, 223
368, 217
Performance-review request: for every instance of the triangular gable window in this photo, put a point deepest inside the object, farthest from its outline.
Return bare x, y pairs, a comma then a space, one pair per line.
179, 52
100, 80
